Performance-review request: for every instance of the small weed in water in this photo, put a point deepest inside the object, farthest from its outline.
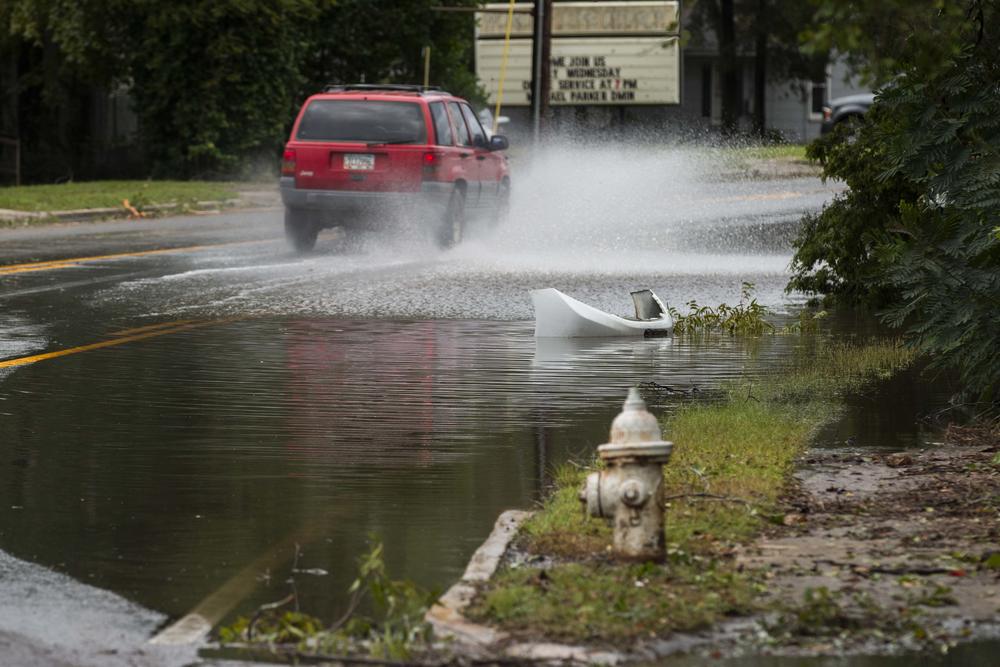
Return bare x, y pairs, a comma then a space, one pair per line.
746, 318
394, 629
807, 322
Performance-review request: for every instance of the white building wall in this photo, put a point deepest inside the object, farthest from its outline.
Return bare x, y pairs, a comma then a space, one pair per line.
841, 82
788, 111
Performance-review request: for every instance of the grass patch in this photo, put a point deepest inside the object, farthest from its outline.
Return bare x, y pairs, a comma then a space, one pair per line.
611, 602
740, 449
794, 152
108, 194
777, 152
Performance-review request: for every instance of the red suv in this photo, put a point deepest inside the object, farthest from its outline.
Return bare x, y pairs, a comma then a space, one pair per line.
385, 149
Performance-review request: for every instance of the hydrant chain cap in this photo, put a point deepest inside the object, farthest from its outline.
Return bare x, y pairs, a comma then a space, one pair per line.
635, 432
635, 423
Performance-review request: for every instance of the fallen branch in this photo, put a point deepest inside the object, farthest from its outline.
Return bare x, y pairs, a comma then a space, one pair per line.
261, 610
352, 606
710, 496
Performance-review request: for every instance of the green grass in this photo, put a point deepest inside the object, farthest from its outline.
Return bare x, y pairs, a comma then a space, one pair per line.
774, 152
742, 447
108, 194
745, 156
609, 602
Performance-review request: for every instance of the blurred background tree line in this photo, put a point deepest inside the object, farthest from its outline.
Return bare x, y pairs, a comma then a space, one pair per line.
214, 83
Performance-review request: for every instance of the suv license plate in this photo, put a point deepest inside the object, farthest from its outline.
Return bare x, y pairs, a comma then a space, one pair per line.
359, 161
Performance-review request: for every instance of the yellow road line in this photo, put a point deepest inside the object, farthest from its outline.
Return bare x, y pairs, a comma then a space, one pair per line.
60, 263
27, 268
35, 358
197, 623
73, 261
149, 327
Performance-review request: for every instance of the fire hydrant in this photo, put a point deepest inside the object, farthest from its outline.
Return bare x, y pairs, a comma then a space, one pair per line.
629, 490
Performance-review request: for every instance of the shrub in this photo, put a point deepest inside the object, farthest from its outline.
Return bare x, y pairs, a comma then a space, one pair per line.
915, 234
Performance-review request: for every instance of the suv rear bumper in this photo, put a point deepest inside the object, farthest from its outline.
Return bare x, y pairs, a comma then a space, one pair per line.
432, 196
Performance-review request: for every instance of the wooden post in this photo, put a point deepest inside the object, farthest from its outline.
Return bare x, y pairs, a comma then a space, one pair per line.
545, 86
427, 66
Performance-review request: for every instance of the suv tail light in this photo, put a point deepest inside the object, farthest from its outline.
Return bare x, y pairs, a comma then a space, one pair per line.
288, 163
431, 162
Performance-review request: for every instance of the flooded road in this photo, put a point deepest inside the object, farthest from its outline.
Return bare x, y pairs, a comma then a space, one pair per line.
160, 469
221, 410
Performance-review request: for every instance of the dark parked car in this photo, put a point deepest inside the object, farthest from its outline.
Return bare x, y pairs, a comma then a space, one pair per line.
360, 150
845, 110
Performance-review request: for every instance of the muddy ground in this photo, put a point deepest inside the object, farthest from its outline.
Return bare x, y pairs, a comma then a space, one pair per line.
880, 552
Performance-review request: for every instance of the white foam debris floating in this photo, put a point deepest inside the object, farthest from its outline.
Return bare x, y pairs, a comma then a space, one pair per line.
560, 316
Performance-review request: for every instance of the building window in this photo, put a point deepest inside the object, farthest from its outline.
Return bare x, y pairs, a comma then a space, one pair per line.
817, 100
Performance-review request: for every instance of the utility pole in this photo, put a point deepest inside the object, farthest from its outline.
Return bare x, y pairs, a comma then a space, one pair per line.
730, 69
427, 65
763, 23
545, 80
536, 69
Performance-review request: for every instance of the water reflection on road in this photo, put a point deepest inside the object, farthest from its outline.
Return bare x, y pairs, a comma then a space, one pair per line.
159, 470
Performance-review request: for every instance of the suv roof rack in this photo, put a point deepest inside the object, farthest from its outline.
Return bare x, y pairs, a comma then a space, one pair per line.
387, 87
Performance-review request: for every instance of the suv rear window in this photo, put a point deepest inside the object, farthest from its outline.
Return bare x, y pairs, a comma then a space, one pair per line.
442, 128
363, 120
463, 133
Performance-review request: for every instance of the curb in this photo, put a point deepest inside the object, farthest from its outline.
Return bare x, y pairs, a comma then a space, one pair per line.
474, 639
446, 616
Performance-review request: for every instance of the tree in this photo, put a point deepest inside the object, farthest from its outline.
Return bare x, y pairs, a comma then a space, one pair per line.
55, 54
214, 82
351, 42
915, 234
768, 29
880, 38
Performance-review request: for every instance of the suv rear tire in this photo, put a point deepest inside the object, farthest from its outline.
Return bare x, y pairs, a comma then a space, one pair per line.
502, 211
453, 226
300, 229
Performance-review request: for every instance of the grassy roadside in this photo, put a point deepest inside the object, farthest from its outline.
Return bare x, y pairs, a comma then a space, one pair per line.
741, 449
110, 194
774, 152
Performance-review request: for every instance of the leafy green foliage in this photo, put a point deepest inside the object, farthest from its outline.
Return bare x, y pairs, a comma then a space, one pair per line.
836, 251
290, 627
880, 37
393, 629
350, 42
807, 322
745, 318
215, 83
915, 233
399, 606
